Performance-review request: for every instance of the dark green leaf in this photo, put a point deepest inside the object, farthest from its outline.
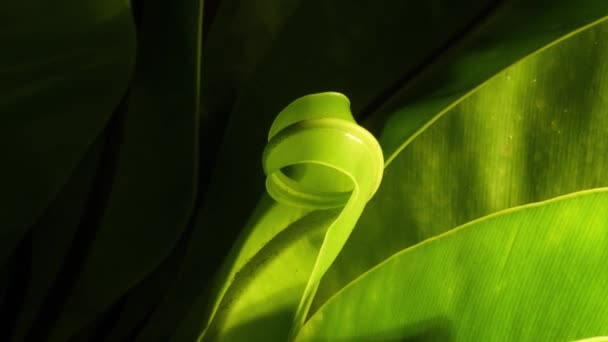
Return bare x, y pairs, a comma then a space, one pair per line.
63, 68
154, 185
52, 238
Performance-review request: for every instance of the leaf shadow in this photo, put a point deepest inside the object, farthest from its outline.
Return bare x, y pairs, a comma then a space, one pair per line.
271, 327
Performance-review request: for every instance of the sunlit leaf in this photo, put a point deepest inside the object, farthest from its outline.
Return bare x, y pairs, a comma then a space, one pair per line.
479, 106
534, 273
536, 131
260, 302
308, 58
317, 157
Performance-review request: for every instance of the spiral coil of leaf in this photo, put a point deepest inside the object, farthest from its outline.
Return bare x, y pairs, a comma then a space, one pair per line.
318, 157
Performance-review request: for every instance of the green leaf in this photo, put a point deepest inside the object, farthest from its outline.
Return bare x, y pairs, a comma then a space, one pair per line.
318, 158
536, 131
405, 65
514, 30
260, 302
155, 178
534, 273
63, 68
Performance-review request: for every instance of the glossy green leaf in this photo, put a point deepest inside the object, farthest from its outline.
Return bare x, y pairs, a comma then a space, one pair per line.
154, 185
534, 273
536, 131
317, 157
62, 73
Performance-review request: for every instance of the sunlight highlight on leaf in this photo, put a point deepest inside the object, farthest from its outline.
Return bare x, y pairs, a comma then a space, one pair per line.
536, 131
531, 273
318, 158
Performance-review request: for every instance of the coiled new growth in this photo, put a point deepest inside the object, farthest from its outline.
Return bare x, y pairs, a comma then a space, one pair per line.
318, 157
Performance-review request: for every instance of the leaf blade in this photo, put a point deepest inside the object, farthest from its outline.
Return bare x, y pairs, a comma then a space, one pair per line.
487, 280
533, 132
154, 185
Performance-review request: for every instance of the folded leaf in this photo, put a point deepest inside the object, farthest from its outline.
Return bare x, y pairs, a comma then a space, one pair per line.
317, 158
359, 49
